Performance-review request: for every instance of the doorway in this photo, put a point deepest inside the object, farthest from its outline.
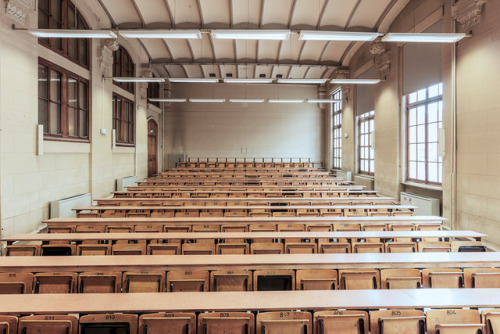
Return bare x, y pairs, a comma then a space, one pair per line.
152, 148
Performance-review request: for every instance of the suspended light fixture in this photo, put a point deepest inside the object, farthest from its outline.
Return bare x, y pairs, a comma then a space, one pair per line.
351, 36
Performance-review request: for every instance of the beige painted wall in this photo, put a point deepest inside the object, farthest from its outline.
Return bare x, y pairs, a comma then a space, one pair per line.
28, 182
264, 129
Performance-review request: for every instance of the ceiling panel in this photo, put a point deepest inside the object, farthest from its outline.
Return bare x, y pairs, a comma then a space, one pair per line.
290, 49
280, 70
202, 49
193, 71
268, 50
368, 13
229, 69
334, 51
156, 48
154, 12
246, 11
337, 13
122, 11
312, 50
263, 69
179, 49
246, 71
175, 71
306, 13
207, 69
328, 74
184, 12
216, 12
298, 72
277, 12
246, 49
223, 49
315, 72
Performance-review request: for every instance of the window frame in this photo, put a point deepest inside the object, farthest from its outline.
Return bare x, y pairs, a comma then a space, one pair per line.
65, 106
64, 50
153, 92
366, 118
123, 72
337, 129
415, 105
120, 136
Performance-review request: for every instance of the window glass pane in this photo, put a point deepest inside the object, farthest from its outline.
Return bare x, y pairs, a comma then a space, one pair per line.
72, 121
43, 5
440, 173
131, 133
413, 117
413, 152
42, 82
421, 133
55, 9
421, 94
412, 138
83, 96
433, 152
433, 172
55, 86
83, 124
412, 171
372, 166
73, 48
421, 115
72, 92
42, 115
56, 42
421, 171
432, 133
440, 111
434, 91
372, 153
71, 18
43, 20
421, 152
83, 51
55, 119
433, 112
363, 168
412, 98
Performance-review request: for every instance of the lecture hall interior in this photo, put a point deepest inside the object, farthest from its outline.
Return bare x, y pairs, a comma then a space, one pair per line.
249, 166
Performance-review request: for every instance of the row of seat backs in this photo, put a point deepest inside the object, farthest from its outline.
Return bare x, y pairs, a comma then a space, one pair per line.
277, 322
244, 280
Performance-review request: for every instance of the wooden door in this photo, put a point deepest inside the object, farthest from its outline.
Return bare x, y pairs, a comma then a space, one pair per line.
152, 148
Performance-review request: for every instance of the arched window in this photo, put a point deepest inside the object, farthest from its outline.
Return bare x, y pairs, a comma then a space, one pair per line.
62, 14
123, 66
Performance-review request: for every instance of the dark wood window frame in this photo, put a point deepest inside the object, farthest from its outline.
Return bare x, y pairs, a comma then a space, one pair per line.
154, 93
123, 122
64, 103
63, 23
367, 119
123, 66
337, 129
412, 106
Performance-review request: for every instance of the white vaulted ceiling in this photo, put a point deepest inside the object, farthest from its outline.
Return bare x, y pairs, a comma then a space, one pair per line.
292, 58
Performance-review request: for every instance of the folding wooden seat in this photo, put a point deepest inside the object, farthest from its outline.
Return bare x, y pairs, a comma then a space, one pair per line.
212, 213
266, 248
359, 279
206, 228
367, 247
301, 248
491, 319
198, 249
321, 279
89, 215
401, 278
285, 322
53, 324
346, 228
400, 247
481, 278
356, 212
319, 227
397, 322
262, 228
99, 282
8, 324
195, 280
345, 322
454, 321
129, 249
331, 212
119, 229
187, 214
63, 282
231, 280
334, 247
143, 282
374, 228
90, 229
467, 246
234, 229
23, 250
16, 283
291, 228
285, 214
226, 322
163, 249
443, 278
93, 249
162, 214
400, 213
232, 249
108, 323
434, 246
429, 227
60, 229
273, 280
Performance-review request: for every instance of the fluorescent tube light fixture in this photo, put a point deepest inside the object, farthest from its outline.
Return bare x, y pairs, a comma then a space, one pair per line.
279, 35
313, 35
247, 100
168, 100
323, 101
285, 101
193, 80
355, 81
423, 37
249, 81
71, 33
207, 100
302, 81
124, 79
163, 34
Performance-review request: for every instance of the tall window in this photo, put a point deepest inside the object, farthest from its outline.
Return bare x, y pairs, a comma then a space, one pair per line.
424, 118
62, 14
123, 67
366, 123
337, 128
154, 93
123, 120
63, 102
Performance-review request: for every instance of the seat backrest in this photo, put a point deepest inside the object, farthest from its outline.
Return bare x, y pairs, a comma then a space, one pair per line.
99, 282
322, 279
177, 228
334, 248
53, 324
198, 249
491, 318
397, 321
450, 321
434, 246
8, 324
284, 322
58, 250
266, 248
468, 246
445, 278
156, 323
22, 250
234, 228
231, 280
291, 227
55, 282
233, 249
400, 278
481, 277
359, 279
108, 323
163, 249
319, 228
16, 283
273, 280
341, 322
301, 248
195, 280
129, 249
400, 247
143, 281
226, 322
367, 247
119, 229
93, 249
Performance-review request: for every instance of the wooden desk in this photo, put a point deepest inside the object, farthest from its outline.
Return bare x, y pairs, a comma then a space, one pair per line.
290, 188
144, 263
248, 301
230, 182
243, 235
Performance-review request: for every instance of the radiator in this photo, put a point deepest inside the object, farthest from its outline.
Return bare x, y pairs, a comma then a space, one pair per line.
344, 175
64, 208
124, 182
426, 206
368, 182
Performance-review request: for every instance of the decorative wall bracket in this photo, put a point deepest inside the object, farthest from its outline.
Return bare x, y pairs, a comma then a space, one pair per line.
382, 58
467, 13
343, 73
19, 9
105, 55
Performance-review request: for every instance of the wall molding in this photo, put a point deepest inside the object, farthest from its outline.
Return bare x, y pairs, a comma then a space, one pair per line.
19, 9
468, 13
